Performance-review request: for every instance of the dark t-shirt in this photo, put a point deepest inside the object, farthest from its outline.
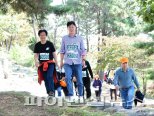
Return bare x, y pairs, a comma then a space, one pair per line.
45, 51
87, 69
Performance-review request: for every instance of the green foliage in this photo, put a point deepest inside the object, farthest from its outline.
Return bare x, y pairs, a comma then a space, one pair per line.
35, 9
116, 48
32, 43
30, 7
146, 10
150, 74
148, 46
148, 28
108, 17
22, 55
60, 9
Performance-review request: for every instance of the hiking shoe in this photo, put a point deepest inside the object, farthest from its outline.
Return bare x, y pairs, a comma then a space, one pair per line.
51, 94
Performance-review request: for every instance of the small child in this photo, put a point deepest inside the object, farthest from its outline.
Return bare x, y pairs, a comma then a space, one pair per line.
97, 84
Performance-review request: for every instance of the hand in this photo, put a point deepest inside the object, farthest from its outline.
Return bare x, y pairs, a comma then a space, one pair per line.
74, 79
63, 78
83, 57
37, 64
117, 87
61, 65
57, 66
138, 89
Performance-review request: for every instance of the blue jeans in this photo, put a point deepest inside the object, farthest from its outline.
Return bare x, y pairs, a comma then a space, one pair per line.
59, 91
75, 69
127, 96
48, 78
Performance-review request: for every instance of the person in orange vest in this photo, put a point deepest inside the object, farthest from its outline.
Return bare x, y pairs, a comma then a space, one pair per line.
44, 53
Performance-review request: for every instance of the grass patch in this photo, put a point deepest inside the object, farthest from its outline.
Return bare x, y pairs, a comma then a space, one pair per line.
79, 111
19, 95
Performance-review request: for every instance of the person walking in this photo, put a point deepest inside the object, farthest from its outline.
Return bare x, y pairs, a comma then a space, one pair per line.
124, 79
72, 52
44, 53
97, 84
86, 70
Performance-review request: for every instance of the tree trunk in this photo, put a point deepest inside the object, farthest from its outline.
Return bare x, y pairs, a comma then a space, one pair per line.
144, 84
78, 22
98, 29
64, 2
87, 37
55, 36
6, 44
10, 43
33, 26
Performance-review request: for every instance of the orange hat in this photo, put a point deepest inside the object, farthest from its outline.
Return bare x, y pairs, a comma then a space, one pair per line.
123, 60
63, 83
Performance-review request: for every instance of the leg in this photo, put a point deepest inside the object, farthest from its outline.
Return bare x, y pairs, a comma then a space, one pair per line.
96, 93
84, 82
50, 79
87, 86
111, 94
123, 93
115, 93
99, 95
65, 91
75, 86
135, 102
130, 97
68, 73
59, 91
45, 79
78, 74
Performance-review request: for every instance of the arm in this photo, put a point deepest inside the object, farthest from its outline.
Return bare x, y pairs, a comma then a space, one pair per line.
55, 58
115, 81
36, 56
89, 69
62, 52
100, 83
61, 60
116, 78
135, 80
94, 83
83, 51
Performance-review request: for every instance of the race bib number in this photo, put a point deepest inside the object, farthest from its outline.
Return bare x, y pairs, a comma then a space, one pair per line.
72, 51
72, 55
84, 74
44, 56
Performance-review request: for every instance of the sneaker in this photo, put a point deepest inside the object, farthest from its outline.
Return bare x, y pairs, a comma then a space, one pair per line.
98, 99
71, 99
89, 99
66, 99
81, 100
